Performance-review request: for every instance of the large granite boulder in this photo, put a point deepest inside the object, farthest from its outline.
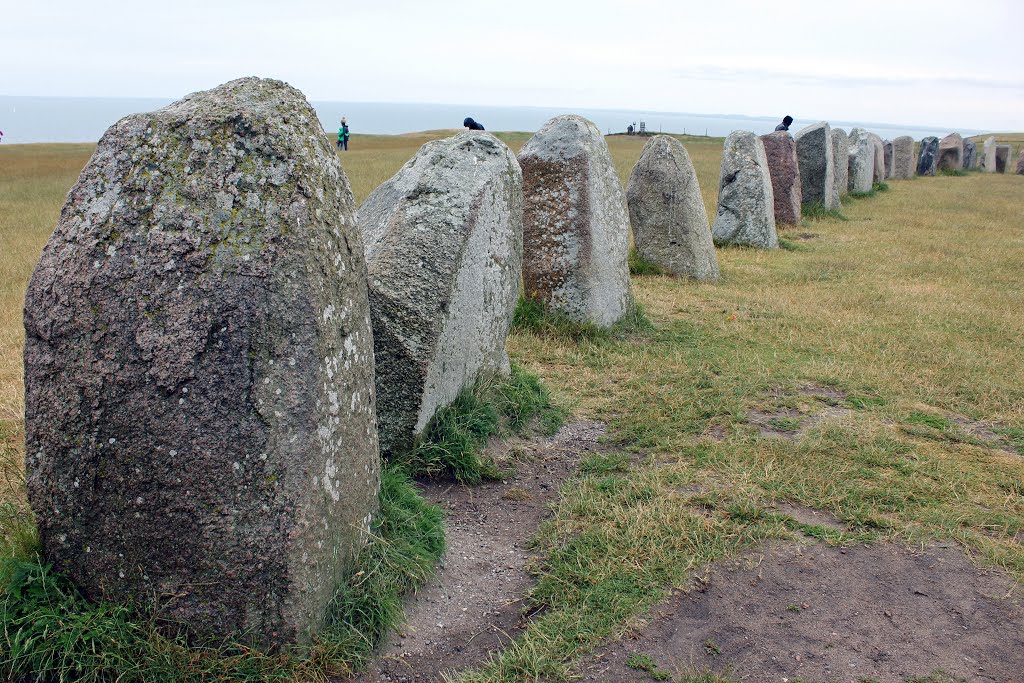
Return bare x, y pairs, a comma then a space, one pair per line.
951, 153
903, 165
970, 154
840, 160
861, 161
784, 167
746, 205
988, 154
887, 149
1002, 158
199, 368
666, 210
817, 177
878, 171
575, 223
444, 241
927, 155
1020, 162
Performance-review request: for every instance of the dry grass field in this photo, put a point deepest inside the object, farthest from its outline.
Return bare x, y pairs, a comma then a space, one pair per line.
872, 368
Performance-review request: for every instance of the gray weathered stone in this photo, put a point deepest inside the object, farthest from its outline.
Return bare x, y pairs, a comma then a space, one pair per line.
887, 149
666, 210
988, 154
199, 368
444, 240
878, 172
817, 177
746, 213
970, 154
1002, 158
1020, 162
926, 156
951, 153
903, 165
784, 167
861, 161
840, 160
575, 223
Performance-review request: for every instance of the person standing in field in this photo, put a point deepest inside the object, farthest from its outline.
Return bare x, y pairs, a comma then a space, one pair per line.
471, 124
343, 135
785, 123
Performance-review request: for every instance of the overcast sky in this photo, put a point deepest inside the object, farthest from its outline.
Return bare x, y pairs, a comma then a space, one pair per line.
938, 63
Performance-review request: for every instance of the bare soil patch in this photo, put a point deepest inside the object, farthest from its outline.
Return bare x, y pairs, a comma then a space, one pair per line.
818, 613
816, 404
474, 604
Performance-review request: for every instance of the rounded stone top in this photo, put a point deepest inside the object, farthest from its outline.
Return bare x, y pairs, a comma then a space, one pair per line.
563, 137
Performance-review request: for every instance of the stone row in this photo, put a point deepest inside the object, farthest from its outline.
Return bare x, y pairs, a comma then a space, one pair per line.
220, 348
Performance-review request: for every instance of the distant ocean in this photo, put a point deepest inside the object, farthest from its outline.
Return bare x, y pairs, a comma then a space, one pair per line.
82, 119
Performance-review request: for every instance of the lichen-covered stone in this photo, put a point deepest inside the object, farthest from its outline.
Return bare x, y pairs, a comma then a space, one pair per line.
746, 205
926, 156
666, 210
444, 251
887, 148
575, 223
878, 171
817, 177
861, 161
988, 154
840, 160
199, 368
951, 153
970, 154
1020, 162
903, 157
784, 167
1002, 158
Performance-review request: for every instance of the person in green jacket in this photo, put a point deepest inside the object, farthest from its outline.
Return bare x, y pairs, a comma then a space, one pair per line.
343, 135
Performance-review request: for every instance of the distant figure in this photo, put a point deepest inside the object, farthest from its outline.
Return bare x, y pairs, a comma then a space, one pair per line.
629, 129
471, 124
1, 136
343, 135
785, 123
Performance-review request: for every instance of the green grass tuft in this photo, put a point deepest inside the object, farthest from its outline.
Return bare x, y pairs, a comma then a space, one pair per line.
816, 211
638, 265
453, 441
790, 245
534, 317
953, 172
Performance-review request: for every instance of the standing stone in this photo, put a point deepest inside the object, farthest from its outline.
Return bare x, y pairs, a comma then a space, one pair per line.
444, 241
746, 213
1002, 158
926, 156
1020, 162
840, 160
861, 161
575, 223
784, 167
951, 153
988, 154
817, 177
970, 154
666, 209
878, 170
199, 368
903, 158
887, 149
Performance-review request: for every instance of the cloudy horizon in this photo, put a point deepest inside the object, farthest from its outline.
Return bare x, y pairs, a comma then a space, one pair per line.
921, 63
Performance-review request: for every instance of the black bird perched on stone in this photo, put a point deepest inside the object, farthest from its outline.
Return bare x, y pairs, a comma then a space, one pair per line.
785, 123
471, 124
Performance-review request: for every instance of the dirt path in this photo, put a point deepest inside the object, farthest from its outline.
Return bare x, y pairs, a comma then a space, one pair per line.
811, 612
474, 605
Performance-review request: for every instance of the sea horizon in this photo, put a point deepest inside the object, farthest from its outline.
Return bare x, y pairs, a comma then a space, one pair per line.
55, 119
